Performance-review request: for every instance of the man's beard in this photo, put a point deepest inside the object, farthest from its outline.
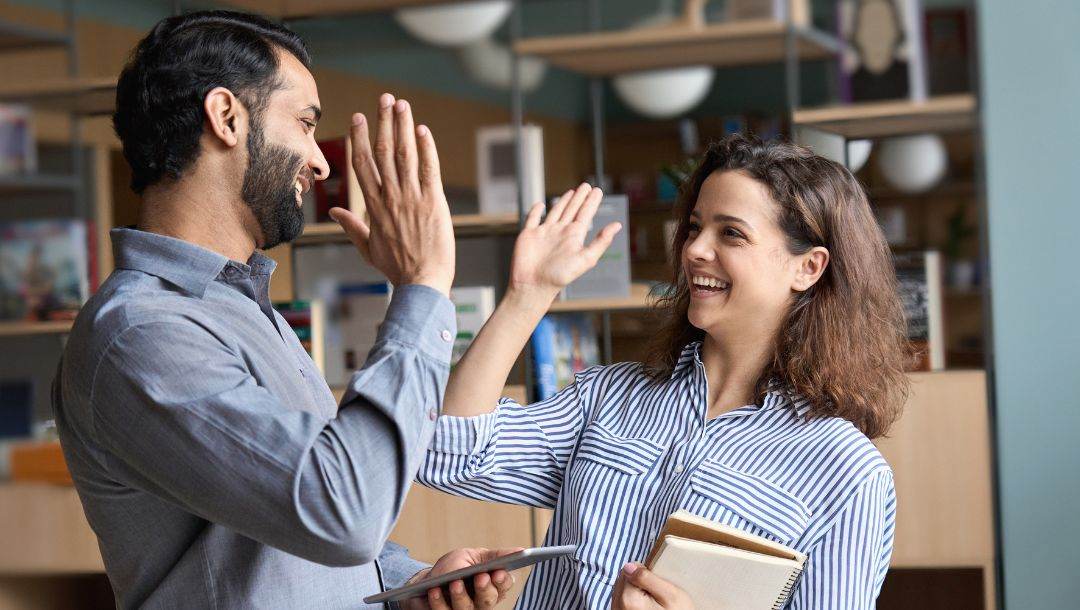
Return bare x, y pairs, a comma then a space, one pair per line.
268, 189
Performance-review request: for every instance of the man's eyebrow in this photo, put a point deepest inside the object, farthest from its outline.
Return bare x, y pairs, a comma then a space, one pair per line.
314, 110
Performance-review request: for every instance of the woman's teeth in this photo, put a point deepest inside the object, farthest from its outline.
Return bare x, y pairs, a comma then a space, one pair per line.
710, 282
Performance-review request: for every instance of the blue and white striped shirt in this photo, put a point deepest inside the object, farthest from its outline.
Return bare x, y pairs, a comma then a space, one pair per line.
614, 454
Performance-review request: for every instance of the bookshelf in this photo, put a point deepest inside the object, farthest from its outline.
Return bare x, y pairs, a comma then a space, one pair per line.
301, 9
736, 43
892, 118
19, 328
639, 298
464, 224
77, 95
18, 37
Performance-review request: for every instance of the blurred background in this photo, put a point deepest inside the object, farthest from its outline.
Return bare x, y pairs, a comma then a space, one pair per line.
956, 115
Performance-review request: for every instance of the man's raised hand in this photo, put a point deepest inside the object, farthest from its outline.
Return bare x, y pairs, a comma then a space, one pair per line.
409, 235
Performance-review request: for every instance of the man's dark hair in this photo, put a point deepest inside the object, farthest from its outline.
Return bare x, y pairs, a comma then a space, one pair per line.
159, 97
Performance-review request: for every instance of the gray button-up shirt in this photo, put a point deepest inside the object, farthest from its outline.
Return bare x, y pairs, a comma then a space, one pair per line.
210, 456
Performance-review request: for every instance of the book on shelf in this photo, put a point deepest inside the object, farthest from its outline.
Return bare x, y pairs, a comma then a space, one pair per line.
496, 175
356, 316
562, 345
610, 278
18, 152
308, 320
720, 566
920, 282
473, 305
44, 269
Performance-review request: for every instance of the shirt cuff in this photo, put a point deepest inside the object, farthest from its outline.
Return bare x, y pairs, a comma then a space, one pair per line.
423, 317
464, 435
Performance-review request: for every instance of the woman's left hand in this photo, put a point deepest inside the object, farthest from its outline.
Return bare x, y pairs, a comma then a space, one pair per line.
549, 255
640, 589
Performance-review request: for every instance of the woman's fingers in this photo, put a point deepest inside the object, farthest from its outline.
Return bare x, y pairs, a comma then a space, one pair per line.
384, 144
601, 242
579, 200
588, 209
405, 157
555, 214
665, 593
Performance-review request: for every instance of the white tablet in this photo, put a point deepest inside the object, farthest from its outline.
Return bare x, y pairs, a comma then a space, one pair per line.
509, 562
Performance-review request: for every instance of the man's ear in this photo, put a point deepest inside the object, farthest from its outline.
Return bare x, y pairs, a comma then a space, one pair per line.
811, 265
224, 114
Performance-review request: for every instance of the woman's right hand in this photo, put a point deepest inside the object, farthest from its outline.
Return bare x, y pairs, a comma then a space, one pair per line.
549, 255
639, 589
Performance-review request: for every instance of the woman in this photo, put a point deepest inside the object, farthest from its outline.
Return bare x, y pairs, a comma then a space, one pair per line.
780, 355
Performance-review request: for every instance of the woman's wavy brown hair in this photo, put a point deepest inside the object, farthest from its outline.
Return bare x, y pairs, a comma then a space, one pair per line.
843, 344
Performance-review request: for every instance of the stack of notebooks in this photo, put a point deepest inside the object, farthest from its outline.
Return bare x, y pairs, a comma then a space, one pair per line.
722, 567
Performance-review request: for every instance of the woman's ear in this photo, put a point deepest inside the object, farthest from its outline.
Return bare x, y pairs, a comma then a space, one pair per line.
223, 113
811, 265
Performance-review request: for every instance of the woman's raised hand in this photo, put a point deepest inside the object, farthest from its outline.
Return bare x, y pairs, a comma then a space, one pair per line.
549, 255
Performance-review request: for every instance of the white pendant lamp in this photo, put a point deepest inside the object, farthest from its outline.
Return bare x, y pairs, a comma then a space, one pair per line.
858, 152
913, 164
454, 25
667, 93
490, 63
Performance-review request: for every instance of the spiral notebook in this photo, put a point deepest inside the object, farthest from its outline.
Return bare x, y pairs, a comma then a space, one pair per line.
722, 567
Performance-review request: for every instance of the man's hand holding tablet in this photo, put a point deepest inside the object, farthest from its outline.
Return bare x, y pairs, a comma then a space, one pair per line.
467, 579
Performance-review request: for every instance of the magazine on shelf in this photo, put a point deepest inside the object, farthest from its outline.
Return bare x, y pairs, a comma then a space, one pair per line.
44, 269
610, 278
473, 306
562, 345
921, 287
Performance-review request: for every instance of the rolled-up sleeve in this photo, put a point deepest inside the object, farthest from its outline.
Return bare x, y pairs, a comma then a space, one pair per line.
516, 454
182, 417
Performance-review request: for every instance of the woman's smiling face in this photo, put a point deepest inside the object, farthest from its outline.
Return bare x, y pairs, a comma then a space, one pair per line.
736, 260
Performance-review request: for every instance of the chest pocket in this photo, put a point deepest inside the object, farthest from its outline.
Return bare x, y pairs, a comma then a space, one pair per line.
627, 455
748, 502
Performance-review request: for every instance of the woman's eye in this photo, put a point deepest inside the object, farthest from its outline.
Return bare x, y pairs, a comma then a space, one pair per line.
694, 227
729, 232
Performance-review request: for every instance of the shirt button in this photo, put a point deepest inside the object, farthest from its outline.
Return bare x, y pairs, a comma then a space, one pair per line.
679, 468
432, 415
446, 336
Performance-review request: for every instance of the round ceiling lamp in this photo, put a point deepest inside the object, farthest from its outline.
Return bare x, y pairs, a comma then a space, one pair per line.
454, 25
858, 152
490, 63
663, 94
913, 164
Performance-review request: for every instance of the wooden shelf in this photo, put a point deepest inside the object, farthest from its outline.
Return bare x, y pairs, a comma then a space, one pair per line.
736, 43
15, 328
464, 224
298, 9
22, 183
638, 299
15, 37
45, 532
86, 96
892, 118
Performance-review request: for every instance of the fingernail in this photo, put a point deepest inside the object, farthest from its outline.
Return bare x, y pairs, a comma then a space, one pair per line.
499, 579
457, 587
358, 119
436, 594
630, 568
422, 130
401, 106
386, 100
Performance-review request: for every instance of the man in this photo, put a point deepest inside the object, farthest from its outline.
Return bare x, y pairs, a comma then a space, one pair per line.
209, 454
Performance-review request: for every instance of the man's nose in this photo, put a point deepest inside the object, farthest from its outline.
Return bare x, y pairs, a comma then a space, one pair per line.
318, 165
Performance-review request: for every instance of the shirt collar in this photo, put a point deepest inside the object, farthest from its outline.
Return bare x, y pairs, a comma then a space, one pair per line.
776, 395
181, 263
